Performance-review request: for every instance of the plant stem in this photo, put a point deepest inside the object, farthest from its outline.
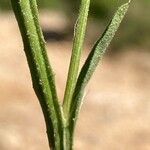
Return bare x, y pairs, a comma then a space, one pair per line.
79, 35
41, 72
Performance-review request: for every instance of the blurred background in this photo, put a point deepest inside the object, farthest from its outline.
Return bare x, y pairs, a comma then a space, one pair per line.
116, 110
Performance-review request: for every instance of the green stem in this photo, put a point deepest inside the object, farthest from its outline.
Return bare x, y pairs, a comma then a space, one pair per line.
41, 72
79, 34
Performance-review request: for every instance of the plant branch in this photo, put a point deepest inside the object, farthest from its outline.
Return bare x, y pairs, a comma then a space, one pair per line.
42, 75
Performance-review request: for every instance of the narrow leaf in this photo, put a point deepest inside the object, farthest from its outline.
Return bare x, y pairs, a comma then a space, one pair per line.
79, 34
92, 61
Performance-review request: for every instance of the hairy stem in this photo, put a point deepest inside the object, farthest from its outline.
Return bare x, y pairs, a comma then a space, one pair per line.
42, 75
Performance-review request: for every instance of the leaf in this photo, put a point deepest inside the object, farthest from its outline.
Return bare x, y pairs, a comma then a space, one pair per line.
92, 61
79, 34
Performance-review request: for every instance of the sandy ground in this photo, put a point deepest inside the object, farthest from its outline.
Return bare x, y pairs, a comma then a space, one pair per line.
116, 110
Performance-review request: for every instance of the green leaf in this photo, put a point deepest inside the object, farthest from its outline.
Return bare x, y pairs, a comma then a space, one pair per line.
92, 61
79, 34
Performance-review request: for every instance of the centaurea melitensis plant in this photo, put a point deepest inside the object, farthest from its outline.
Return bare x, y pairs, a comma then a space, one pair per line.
61, 119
